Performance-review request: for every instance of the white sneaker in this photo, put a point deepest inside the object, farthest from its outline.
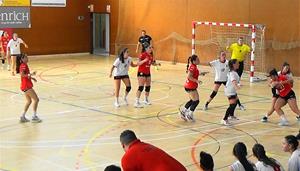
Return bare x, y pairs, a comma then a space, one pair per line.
225, 122
23, 119
205, 107
189, 116
36, 119
117, 104
8, 68
147, 102
182, 112
138, 105
298, 118
242, 108
283, 123
125, 101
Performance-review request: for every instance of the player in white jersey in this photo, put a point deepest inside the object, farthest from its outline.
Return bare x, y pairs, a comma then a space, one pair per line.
121, 66
242, 163
264, 162
221, 70
231, 90
14, 50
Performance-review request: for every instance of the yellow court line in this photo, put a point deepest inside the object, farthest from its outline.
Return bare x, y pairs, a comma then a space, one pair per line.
71, 136
2, 167
86, 149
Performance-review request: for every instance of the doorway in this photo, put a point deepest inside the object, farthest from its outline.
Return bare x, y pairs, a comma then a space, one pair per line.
100, 34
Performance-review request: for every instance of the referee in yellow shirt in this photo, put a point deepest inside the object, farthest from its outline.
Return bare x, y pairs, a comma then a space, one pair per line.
238, 51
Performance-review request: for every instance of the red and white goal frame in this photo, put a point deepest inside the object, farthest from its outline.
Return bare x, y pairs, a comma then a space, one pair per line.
253, 28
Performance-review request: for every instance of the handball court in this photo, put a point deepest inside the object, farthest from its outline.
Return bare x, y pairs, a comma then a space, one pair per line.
81, 127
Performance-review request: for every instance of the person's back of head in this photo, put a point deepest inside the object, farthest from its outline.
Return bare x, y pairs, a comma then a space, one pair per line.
112, 168
292, 142
240, 152
127, 137
206, 161
260, 153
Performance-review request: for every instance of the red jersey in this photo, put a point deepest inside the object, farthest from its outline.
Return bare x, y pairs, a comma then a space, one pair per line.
146, 157
25, 81
145, 67
287, 87
4, 41
191, 84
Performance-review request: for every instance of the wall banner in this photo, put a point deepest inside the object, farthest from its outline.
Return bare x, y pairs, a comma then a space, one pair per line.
15, 17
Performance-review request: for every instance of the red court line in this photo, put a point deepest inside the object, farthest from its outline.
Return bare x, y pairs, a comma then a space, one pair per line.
77, 164
52, 68
193, 149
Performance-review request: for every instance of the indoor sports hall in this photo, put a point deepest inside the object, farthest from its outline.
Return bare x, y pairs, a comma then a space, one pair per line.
70, 52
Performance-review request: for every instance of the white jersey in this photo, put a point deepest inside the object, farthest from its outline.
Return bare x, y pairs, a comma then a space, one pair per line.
122, 68
260, 166
14, 46
237, 166
294, 161
229, 88
221, 70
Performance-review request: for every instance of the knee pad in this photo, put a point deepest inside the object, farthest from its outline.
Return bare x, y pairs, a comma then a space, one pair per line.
213, 94
147, 88
141, 88
128, 89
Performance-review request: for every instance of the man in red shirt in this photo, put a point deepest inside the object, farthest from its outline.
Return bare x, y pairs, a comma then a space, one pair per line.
140, 156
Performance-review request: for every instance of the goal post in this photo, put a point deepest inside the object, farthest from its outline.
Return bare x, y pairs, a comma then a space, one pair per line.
221, 34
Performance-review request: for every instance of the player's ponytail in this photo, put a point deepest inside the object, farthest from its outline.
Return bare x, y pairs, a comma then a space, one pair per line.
240, 152
121, 55
188, 64
260, 153
191, 60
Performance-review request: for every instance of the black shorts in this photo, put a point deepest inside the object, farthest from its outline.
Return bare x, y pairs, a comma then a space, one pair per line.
290, 95
220, 82
120, 77
189, 90
140, 74
274, 93
232, 97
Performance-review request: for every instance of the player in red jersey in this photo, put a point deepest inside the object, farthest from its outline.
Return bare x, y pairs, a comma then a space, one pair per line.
144, 75
4, 39
286, 95
190, 87
26, 87
285, 70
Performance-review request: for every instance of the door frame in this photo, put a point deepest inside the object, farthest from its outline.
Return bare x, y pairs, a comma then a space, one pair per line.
108, 32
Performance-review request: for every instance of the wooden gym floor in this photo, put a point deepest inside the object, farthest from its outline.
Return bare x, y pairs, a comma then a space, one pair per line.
81, 127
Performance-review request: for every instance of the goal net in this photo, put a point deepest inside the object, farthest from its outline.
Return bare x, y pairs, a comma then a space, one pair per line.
209, 38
